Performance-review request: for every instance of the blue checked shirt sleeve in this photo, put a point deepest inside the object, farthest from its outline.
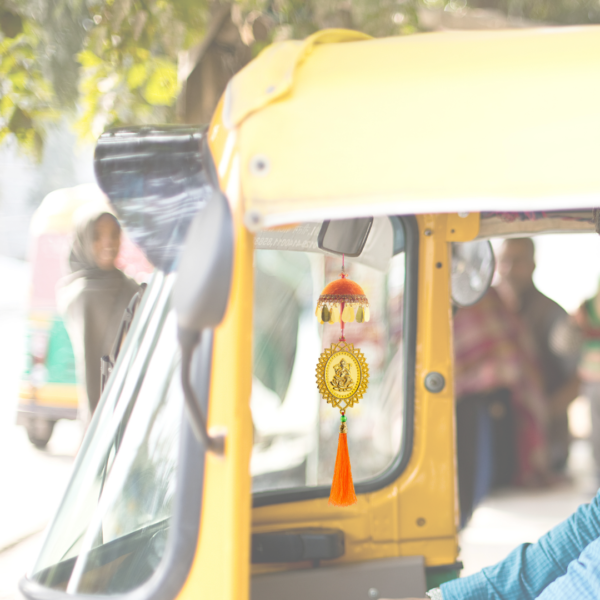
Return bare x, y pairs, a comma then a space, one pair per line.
582, 580
530, 568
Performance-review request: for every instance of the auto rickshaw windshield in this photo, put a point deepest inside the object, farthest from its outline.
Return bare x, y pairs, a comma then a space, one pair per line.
120, 499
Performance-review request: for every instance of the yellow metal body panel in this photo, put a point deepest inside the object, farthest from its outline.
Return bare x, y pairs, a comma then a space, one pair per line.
362, 125
462, 227
272, 76
221, 565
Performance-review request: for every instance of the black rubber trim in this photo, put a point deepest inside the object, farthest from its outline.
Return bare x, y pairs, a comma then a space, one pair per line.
297, 545
210, 169
411, 299
439, 569
168, 579
103, 554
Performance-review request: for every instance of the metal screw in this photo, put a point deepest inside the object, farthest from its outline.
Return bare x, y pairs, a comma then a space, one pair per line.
259, 165
252, 220
428, 232
434, 382
373, 593
421, 521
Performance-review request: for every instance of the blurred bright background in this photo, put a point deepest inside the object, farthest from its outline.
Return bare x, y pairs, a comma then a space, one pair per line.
68, 70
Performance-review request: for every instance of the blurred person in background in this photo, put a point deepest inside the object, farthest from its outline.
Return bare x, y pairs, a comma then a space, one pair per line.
500, 403
516, 265
587, 319
93, 298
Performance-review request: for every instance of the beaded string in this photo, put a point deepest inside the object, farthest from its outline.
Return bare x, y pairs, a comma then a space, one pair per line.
343, 275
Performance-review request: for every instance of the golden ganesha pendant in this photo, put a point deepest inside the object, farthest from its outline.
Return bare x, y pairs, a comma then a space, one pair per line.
342, 375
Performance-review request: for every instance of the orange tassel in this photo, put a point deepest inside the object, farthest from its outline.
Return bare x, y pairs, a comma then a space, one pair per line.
342, 488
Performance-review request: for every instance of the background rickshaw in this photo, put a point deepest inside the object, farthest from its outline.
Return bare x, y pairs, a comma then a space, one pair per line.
48, 389
335, 127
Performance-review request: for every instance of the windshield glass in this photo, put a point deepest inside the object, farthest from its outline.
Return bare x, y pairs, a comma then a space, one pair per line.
296, 431
110, 533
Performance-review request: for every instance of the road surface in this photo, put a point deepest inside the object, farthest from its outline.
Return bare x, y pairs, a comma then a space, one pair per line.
32, 481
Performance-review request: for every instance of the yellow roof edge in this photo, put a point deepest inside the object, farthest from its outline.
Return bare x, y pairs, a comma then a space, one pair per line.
292, 213
270, 75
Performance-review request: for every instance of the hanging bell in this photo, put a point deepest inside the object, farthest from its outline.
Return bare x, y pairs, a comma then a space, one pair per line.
343, 300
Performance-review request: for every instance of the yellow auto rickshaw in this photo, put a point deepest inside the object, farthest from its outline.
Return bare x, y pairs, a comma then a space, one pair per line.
207, 469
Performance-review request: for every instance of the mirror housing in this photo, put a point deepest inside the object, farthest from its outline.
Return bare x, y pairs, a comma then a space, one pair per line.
201, 291
157, 177
200, 297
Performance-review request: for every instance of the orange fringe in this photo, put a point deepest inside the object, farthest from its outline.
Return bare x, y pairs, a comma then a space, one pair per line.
342, 487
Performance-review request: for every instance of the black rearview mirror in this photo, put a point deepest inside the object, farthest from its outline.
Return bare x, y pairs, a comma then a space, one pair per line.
203, 281
200, 297
347, 236
157, 179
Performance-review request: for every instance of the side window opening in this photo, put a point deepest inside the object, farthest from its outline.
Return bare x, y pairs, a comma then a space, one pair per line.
295, 430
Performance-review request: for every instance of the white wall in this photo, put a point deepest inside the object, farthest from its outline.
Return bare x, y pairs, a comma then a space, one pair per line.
568, 266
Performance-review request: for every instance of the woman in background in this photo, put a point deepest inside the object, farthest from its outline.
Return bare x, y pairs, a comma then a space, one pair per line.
93, 298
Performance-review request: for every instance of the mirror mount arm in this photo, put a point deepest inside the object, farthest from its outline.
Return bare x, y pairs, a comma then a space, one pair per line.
188, 341
200, 297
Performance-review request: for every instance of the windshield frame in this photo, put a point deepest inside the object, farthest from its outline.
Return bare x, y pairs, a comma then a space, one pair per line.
172, 572
400, 462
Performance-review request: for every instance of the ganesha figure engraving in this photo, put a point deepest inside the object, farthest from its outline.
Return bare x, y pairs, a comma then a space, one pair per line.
342, 381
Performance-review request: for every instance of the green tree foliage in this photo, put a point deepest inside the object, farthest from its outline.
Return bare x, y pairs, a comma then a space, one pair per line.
114, 62
111, 61
559, 12
129, 60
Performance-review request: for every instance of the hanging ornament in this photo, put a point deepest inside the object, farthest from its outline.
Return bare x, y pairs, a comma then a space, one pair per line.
342, 372
343, 299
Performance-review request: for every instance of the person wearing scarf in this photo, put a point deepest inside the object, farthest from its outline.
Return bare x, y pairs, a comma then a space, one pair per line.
93, 298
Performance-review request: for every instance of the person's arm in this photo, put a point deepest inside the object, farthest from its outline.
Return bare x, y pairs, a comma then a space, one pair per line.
530, 568
582, 580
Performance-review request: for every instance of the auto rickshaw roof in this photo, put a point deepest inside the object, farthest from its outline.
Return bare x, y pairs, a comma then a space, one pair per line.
343, 125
